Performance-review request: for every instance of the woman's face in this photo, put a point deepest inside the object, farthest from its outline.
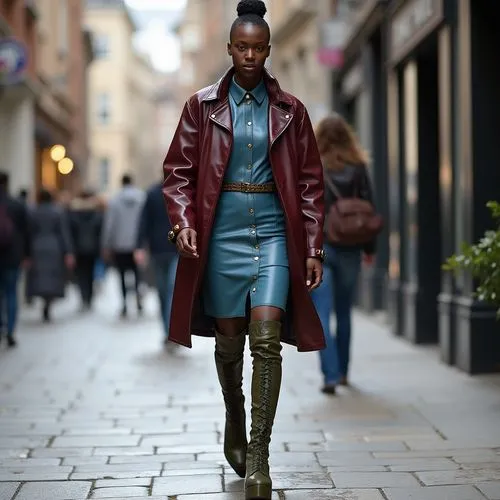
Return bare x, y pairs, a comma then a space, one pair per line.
249, 48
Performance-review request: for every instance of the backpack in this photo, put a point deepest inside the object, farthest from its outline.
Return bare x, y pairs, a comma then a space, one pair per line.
6, 229
351, 221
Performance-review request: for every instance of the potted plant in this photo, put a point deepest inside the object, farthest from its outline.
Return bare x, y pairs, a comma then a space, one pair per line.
476, 347
482, 260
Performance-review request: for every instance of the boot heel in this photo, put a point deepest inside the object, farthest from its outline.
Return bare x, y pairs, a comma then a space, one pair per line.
258, 492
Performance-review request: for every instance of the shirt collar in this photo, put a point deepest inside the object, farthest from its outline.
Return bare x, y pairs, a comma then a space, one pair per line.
239, 93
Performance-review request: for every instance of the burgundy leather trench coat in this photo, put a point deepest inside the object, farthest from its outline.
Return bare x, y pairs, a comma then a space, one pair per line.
194, 170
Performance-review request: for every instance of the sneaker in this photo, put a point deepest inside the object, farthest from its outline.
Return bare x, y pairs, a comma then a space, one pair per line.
329, 388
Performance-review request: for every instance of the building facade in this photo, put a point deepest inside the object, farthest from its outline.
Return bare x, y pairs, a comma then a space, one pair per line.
63, 54
120, 100
17, 100
430, 98
296, 40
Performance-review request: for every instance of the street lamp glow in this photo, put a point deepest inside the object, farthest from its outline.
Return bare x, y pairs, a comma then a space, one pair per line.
57, 152
65, 166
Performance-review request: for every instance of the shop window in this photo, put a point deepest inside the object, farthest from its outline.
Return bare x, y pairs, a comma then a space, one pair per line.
104, 108
101, 46
104, 167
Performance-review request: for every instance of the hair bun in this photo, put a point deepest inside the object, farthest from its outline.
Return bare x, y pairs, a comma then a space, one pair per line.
256, 7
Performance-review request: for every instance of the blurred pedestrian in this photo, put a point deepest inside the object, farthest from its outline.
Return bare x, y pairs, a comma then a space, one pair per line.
119, 239
15, 248
152, 230
244, 189
345, 172
86, 221
52, 253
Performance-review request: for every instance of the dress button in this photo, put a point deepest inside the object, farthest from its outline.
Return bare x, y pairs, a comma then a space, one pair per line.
257, 247
250, 210
254, 278
249, 124
250, 146
254, 290
249, 167
256, 258
253, 231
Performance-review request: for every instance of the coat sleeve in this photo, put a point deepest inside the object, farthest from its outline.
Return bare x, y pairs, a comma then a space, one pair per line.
311, 187
180, 170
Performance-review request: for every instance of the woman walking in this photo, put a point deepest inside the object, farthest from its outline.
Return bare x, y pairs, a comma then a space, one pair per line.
244, 190
52, 252
345, 175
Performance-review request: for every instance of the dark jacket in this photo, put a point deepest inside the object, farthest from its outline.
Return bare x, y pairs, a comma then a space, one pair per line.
155, 225
51, 242
21, 245
86, 220
194, 170
351, 181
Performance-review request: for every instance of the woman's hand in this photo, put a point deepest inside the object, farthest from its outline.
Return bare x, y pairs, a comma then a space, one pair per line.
314, 273
186, 243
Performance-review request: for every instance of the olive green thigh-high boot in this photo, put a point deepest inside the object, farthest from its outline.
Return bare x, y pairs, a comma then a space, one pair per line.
229, 363
265, 347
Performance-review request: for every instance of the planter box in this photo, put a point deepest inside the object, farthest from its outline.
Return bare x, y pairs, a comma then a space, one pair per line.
477, 348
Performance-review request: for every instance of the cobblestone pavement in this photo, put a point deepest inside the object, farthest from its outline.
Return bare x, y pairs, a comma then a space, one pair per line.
93, 407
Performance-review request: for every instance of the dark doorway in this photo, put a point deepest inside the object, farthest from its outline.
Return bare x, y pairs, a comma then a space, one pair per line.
423, 231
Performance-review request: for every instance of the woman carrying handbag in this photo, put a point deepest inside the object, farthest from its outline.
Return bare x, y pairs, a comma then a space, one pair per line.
351, 226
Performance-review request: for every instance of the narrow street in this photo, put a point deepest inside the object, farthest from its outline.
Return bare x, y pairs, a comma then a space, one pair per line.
93, 407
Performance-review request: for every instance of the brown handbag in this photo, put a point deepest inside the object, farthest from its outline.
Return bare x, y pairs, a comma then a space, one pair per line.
351, 221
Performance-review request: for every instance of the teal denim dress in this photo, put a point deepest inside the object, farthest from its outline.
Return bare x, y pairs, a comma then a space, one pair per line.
248, 253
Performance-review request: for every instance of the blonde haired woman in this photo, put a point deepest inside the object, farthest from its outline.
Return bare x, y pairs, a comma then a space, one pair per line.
344, 163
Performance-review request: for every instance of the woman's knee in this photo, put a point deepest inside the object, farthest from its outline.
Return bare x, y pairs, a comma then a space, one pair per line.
230, 327
266, 313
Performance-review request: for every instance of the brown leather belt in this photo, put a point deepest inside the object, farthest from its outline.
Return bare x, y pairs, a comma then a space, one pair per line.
243, 187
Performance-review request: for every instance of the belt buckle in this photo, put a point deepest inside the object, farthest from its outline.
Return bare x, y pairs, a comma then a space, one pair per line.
245, 187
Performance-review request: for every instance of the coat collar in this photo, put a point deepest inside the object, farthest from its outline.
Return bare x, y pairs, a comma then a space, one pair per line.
220, 90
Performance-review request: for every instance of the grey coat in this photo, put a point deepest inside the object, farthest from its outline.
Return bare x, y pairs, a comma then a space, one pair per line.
51, 241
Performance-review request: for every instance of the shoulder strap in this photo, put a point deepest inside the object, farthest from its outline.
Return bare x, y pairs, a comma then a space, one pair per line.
332, 186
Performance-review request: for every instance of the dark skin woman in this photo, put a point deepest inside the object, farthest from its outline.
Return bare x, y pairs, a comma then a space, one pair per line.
244, 191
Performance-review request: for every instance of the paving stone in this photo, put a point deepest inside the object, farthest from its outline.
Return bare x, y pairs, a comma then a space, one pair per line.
14, 453
416, 465
469, 476
374, 480
186, 472
142, 459
120, 483
24, 442
61, 452
198, 439
35, 473
68, 490
491, 489
91, 431
7, 490
334, 495
132, 451
180, 485
77, 461
95, 475
29, 462
94, 441
137, 491
434, 493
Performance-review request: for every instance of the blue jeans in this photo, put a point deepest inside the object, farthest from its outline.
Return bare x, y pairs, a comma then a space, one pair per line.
165, 267
8, 298
336, 293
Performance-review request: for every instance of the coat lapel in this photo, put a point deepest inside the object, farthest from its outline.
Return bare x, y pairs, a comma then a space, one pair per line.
221, 115
279, 119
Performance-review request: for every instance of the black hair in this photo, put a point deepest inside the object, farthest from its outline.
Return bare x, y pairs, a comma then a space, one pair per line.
45, 196
4, 179
127, 180
251, 12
